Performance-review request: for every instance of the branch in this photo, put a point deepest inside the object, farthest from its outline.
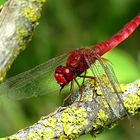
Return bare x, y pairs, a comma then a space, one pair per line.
18, 19
92, 116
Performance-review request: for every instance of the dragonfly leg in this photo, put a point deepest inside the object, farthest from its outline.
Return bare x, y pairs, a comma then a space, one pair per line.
90, 77
79, 86
60, 91
84, 77
70, 93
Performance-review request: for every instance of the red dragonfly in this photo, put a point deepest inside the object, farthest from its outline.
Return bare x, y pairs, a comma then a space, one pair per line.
76, 62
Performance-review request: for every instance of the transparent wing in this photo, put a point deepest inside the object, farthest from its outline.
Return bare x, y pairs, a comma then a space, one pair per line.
35, 82
108, 84
116, 100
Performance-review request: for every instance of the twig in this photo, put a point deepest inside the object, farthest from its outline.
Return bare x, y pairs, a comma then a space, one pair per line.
92, 116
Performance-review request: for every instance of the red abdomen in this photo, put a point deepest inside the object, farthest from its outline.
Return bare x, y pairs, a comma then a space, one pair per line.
117, 38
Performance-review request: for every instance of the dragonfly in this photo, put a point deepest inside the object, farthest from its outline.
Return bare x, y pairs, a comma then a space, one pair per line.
82, 59
63, 70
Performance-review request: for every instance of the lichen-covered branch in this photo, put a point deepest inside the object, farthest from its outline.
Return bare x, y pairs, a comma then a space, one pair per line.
92, 115
18, 19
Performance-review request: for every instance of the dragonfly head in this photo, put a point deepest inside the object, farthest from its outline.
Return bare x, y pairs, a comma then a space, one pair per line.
63, 75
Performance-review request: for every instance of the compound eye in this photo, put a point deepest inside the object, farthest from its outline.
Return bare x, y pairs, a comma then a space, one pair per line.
60, 79
68, 75
67, 71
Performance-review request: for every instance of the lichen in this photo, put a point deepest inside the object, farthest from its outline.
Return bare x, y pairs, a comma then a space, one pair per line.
138, 83
102, 117
63, 137
40, 134
124, 87
74, 119
3, 74
50, 122
132, 103
31, 14
8, 65
139, 92
99, 92
11, 138
112, 125
105, 104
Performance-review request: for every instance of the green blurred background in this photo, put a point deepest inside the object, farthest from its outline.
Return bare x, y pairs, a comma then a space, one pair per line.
66, 25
